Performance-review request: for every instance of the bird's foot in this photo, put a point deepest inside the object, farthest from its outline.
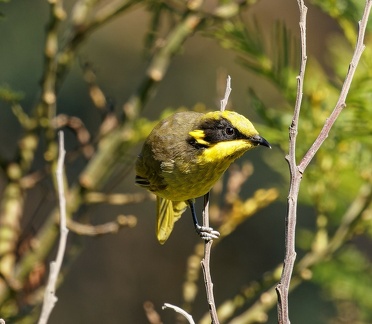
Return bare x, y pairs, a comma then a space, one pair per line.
207, 233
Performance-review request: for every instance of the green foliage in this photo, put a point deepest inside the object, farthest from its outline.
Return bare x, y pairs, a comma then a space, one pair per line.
274, 60
347, 277
9, 95
348, 10
1, 14
345, 12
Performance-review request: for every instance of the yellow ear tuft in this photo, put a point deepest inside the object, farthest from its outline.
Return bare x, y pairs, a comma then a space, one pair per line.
199, 136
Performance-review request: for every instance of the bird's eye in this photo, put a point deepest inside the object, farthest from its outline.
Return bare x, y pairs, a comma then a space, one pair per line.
229, 131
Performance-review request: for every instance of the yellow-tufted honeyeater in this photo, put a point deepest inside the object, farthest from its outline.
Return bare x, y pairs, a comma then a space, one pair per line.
185, 155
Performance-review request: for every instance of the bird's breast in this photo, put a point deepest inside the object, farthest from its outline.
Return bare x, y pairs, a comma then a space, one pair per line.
192, 180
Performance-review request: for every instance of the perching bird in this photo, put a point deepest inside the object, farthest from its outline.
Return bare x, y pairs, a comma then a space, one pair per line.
185, 155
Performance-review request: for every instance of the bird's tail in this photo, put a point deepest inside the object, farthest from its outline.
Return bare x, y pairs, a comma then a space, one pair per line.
168, 212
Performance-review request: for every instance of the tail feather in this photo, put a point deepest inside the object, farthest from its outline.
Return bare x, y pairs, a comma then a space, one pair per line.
168, 212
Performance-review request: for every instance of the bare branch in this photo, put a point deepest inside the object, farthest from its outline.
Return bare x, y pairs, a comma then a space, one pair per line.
205, 263
181, 311
102, 229
227, 94
116, 198
77, 126
296, 172
282, 288
49, 296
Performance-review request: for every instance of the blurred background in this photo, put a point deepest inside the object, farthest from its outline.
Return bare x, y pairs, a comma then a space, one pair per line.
108, 278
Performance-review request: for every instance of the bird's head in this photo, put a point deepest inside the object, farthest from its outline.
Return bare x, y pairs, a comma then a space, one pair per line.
224, 135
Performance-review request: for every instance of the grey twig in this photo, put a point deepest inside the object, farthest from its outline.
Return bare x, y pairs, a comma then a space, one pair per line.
227, 93
181, 311
205, 263
282, 288
49, 295
296, 171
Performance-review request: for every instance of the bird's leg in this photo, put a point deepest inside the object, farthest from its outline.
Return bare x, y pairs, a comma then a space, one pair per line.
206, 233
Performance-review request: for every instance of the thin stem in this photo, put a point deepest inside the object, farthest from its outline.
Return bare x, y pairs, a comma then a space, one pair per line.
297, 171
282, 288
205, 263
227, 93
49, 295
180, 311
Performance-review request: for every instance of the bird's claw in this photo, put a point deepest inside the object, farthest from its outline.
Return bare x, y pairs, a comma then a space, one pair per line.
207, 233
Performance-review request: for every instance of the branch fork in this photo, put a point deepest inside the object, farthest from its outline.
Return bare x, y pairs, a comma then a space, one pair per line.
296, 171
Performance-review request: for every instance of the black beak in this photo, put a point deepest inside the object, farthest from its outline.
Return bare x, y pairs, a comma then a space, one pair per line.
258, 140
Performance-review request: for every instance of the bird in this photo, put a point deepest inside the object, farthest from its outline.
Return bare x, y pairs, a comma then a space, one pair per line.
185, 155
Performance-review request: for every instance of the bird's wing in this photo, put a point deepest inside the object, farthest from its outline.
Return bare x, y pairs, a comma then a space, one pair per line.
143, 182
168, 212
148, 175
